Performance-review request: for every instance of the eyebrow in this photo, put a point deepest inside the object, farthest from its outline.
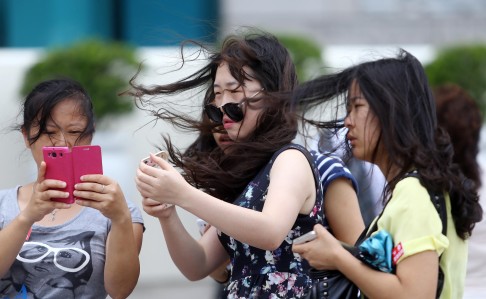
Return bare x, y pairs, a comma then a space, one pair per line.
215, 85
355, 98
52, 125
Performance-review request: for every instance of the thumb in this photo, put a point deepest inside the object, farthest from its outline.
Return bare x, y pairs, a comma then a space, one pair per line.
41, 173
319, 229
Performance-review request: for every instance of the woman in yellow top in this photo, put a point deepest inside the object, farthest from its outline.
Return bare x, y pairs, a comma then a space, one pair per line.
391, 121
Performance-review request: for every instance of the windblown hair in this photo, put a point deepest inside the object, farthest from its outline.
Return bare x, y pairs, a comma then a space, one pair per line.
459, 114
399, 95
205, 166
38, 105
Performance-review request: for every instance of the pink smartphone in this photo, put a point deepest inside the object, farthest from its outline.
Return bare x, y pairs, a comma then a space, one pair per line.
86, 160
69, 165
59, 167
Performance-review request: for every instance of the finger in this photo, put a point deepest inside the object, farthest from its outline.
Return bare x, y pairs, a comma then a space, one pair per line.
54, 194
320, 230
93, 187
144, 182
42, 184
87, 202
95, 178
296, 248
147, 171
150, 202
163, 164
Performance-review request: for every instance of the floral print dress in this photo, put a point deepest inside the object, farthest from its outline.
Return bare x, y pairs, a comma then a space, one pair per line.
258, 273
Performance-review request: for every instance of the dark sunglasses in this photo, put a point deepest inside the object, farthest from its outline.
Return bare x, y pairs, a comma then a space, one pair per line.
232, 110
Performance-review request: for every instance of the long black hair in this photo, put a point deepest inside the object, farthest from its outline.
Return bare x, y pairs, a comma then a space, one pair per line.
399, 95
224, 175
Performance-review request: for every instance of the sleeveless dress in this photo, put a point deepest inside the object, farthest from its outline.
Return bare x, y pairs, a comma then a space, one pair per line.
258, 273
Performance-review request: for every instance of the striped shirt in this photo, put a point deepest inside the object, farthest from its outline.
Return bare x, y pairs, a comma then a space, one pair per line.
330, 168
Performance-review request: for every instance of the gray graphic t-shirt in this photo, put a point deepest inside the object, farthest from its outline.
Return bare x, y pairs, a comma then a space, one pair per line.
64, 261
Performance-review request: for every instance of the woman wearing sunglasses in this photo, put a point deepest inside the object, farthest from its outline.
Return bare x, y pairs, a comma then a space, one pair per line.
258, 195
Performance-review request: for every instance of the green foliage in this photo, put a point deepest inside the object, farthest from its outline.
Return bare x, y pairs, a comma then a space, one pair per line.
103, 68
306, 54
464, 65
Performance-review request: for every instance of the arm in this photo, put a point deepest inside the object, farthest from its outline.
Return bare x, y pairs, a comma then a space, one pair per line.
124, 239
416, 275
342, 211
221, 274
122, 250
12, 236
291, 182
195, 259
11, 239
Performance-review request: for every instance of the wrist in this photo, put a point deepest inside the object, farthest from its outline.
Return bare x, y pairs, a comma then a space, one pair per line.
25, 220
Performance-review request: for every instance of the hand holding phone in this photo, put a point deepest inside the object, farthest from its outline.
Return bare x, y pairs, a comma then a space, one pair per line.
305, 238
149, 162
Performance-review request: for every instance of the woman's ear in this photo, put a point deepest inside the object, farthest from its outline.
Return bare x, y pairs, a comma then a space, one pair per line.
26, 137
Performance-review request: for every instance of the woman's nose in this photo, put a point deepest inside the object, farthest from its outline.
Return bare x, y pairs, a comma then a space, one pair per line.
347, 121
226, 97
61, 140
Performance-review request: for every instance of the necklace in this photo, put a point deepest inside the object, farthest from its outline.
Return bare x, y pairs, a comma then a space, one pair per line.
53, 214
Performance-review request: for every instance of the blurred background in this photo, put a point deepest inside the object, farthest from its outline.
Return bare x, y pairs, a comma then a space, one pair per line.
101, 43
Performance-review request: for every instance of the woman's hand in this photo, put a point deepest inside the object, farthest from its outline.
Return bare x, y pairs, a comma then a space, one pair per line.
321, 252
40, 203
103, 194
163, 184
157, 209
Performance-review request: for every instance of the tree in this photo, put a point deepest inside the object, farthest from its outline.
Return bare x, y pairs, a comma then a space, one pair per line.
103, 68
464, 65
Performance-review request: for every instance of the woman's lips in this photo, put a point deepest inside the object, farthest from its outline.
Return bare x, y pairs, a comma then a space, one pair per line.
351, 140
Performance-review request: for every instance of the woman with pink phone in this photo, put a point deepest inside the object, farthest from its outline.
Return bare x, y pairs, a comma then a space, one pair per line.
70, 233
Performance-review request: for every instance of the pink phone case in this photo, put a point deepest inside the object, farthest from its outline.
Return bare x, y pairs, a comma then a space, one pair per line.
69, 165
86, 160
59, 167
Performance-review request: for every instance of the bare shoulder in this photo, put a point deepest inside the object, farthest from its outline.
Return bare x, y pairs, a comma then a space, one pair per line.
292, 159
291, 154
